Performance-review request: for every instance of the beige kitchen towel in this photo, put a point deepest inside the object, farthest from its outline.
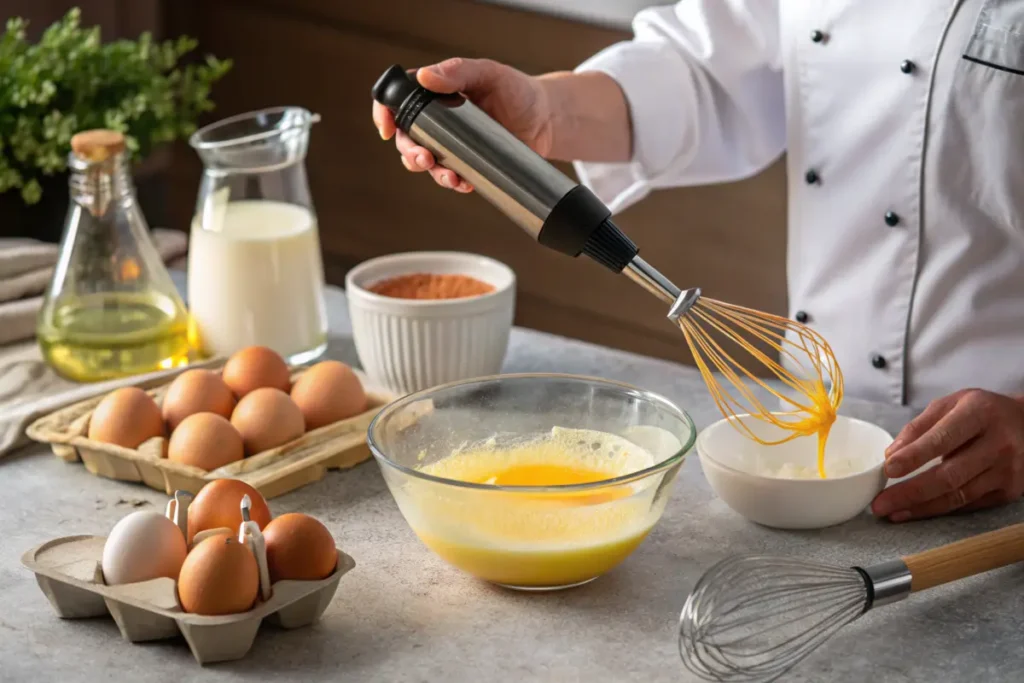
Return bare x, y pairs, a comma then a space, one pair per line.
18, 319
26, 267
19, 255
25, 284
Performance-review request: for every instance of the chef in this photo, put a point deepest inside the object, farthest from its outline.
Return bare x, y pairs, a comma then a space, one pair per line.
903, 125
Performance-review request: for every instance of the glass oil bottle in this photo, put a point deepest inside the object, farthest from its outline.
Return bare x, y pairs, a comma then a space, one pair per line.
111, 309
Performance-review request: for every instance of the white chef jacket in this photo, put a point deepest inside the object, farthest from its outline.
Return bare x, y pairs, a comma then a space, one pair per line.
903, 123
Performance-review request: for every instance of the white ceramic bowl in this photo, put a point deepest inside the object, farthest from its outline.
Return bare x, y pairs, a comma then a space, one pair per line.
746, 475
408, 345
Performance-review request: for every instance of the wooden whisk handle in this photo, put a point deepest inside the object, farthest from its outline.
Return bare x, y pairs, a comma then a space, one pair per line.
966, 558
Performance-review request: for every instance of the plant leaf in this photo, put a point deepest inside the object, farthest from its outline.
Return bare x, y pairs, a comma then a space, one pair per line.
70, 80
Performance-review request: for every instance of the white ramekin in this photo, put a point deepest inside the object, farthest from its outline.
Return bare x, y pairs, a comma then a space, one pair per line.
407, 345
736, 467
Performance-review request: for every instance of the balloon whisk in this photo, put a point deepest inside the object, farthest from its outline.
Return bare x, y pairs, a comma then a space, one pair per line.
750, 359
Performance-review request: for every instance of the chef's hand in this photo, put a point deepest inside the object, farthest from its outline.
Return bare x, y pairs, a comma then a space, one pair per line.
978, 435
515, 100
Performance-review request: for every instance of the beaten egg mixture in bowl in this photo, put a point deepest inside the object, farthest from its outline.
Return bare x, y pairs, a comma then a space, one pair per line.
536, 481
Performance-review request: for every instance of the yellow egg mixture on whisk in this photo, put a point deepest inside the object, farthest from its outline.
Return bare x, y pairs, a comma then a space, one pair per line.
806, 366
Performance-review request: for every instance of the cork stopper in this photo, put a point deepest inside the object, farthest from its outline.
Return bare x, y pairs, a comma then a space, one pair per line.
97, 145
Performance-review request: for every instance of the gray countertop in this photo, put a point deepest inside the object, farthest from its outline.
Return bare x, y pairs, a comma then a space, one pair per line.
403, 615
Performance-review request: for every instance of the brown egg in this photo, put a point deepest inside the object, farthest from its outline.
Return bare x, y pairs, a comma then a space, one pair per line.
218, 504
328, 392
196, 391
126, 417
299, 547
206, 441
267, 418
219, 576
255, 367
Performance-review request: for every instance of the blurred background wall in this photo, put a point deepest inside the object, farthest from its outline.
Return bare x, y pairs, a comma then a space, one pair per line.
325, 55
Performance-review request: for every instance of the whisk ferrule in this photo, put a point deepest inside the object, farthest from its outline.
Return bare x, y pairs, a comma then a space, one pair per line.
683, 303
887, 582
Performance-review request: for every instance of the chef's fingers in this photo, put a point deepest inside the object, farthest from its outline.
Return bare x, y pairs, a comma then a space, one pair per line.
945, 479
989, 500
932, 413
410, 165
447, 178
460, 75
419, 157
986, 483
956, 427
442, 176
383, 119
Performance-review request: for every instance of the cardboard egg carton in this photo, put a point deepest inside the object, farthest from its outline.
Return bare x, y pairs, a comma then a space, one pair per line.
340, 445
69, 573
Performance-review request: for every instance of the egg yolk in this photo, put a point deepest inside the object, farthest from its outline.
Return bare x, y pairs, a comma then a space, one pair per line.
545, 475
558, 475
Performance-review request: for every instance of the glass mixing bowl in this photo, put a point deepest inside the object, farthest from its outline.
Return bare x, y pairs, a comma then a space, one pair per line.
525, 536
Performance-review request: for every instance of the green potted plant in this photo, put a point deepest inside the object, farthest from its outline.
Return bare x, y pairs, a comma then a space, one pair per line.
71, 81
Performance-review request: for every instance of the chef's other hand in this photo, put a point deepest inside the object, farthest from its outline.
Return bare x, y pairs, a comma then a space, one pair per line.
978, 435
514, 99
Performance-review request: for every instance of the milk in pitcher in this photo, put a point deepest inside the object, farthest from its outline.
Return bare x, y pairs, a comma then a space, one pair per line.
256, 277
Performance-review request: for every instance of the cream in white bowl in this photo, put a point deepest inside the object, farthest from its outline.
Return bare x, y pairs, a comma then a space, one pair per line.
408, 345
778, 486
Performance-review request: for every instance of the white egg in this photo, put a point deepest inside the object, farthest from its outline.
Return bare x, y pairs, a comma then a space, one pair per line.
144, 545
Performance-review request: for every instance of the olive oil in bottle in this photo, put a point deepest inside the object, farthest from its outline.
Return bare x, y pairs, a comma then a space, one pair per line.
111, 309
113, 335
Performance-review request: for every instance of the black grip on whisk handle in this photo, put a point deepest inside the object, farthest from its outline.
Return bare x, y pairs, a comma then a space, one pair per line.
610, 247
555, 210
580, 223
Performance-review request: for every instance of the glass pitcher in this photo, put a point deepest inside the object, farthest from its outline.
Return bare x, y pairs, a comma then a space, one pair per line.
255, 272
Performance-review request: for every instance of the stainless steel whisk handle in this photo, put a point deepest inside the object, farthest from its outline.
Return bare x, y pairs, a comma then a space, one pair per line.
887, 582
543, 201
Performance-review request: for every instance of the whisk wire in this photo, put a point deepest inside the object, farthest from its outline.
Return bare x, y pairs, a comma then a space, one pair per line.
725, 402
697, 342
771, 330
807, 599
721, 360
758, 355
760, 330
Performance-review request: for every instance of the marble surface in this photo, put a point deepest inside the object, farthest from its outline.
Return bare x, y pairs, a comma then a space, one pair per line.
403, 615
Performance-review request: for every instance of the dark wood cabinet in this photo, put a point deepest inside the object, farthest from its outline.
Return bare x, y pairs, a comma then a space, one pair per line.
116, 18
326, 54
